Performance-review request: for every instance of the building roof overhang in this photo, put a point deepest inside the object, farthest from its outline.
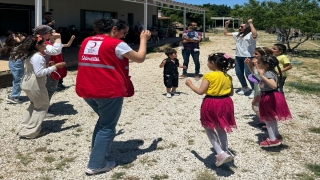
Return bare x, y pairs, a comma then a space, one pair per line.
172, 5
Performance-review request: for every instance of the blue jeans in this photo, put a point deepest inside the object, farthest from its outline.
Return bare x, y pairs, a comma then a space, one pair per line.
108, 110
242, 68
17, 70
195, 56
281, 84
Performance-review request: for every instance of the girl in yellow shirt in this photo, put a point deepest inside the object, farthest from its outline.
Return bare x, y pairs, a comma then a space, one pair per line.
217, 110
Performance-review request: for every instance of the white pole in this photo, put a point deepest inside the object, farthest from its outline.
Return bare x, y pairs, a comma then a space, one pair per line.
233, 23
38, 12
223, 22
47, 5
145, 15
184, 19
204, 24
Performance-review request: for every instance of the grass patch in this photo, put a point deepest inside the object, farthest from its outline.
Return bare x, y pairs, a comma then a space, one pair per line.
314, 168
45, 178
307, 87
64, 163
118, 175
315, 130
79, 130
149, 162
180, 170
50, 151
172, 145
160, 148
49, 159
25, 159
41, 149
304, 176
191, 142
127, 166
205, 175
159, 177
131, 178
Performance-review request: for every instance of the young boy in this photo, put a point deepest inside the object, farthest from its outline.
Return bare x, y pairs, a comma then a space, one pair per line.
170, 72
191, 34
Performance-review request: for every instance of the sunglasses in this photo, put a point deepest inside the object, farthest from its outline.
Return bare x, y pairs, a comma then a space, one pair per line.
241, 26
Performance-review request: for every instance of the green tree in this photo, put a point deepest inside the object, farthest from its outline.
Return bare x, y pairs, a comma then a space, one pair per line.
282, 17
212, 10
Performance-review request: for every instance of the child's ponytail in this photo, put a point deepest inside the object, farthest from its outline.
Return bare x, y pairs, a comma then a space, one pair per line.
280, 75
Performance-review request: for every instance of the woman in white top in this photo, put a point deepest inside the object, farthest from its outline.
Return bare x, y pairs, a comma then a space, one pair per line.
245, 44
34, 85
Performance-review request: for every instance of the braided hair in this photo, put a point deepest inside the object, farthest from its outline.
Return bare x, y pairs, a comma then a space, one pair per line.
222, 61
103, 25
273, 62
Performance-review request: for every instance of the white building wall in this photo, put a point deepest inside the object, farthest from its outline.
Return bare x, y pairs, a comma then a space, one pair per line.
67, 12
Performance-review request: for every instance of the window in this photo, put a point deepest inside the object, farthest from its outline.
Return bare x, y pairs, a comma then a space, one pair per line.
16, 18
87, 17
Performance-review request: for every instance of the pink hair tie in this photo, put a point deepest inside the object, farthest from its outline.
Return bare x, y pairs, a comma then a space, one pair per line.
227, 56
13, 35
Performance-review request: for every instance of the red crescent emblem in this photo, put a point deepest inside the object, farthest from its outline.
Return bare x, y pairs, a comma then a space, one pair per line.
95, 43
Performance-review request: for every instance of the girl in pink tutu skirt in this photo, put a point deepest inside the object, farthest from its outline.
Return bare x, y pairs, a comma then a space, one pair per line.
272, 105
217, 111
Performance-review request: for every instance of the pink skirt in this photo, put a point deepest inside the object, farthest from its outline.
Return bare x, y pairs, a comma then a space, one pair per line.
273, 106
218, 112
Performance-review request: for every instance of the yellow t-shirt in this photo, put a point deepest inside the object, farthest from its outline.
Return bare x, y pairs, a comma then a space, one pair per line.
283, 60
220, 83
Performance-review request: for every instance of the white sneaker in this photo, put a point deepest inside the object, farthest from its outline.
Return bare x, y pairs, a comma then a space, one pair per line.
196, 50
223, 158
110, 165
251, 96
169, 95
243, 91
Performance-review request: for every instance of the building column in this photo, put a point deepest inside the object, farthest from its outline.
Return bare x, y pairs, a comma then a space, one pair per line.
184, 18
233, 23
145, 23
204, 24
46, 5
38, 12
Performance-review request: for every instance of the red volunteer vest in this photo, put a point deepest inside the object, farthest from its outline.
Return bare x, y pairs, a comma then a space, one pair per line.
60, 72
101, 74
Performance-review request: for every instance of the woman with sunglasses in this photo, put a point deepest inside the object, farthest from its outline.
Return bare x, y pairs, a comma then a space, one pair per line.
245, 44
34, 85
103, 81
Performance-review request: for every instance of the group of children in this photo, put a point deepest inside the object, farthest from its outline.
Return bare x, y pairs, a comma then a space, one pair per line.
268, 68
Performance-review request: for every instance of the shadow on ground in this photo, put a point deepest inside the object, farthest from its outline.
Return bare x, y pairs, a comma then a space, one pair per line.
54, 126
62, 108
223, 170
126, 152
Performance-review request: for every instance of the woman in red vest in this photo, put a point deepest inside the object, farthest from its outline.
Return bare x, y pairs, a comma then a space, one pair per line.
103, 81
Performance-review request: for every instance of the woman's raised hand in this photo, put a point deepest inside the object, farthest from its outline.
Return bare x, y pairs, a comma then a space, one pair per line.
146, 34
227, 23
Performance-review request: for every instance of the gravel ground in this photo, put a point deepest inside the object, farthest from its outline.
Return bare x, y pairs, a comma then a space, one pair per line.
158, 137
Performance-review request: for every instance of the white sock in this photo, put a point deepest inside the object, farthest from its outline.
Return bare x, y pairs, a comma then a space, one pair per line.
270, 130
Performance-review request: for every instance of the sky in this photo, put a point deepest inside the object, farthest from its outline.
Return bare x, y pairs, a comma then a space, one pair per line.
217, 2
